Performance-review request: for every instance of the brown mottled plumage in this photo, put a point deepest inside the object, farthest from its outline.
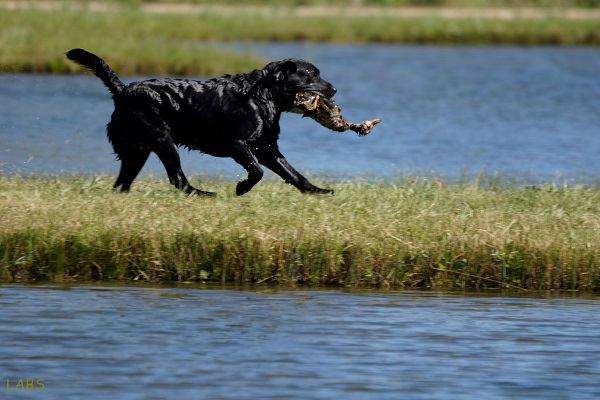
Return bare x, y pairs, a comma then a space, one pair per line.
327, 113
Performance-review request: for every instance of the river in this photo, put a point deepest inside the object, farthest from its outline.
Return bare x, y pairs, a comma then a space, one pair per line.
136, 342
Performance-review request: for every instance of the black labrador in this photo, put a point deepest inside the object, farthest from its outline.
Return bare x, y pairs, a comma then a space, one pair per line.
233, 116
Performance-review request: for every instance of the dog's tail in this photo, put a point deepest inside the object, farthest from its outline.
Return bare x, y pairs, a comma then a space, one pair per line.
99, 68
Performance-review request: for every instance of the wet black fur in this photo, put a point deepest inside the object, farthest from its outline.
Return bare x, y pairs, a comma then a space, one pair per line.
233, 116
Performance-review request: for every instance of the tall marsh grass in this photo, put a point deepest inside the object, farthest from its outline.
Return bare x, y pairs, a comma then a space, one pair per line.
413, 232
134, 42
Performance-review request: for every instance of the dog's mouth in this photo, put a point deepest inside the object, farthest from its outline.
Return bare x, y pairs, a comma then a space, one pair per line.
308, 101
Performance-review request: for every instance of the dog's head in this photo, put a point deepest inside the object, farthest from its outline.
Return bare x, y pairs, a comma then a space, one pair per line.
292, 75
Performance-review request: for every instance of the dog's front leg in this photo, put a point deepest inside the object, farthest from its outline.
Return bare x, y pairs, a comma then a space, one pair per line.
270, 157
243, 156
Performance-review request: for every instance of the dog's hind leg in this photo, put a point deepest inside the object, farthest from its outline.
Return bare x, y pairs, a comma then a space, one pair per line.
131, 165
168, 154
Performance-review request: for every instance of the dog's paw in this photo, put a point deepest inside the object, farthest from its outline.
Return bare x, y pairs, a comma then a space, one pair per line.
243, 187
202, 193
321, 191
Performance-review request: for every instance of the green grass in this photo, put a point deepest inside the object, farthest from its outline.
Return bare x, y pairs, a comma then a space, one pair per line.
413, 232
131, 42
140, 43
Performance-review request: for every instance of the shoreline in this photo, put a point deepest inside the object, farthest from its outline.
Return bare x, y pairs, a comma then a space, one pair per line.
138, 42
166, 39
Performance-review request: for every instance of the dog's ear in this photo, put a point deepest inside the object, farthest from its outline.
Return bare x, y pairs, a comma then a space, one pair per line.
282, 70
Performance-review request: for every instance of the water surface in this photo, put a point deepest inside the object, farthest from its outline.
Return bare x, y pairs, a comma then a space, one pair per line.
190, 343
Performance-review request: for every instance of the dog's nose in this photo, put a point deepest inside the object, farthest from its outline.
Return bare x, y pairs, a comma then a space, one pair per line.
333, 90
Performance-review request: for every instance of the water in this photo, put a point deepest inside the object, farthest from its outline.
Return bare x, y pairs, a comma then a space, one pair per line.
532, 113
191, 343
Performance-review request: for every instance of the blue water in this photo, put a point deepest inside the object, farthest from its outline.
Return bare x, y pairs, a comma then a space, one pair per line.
192, 343
532, 113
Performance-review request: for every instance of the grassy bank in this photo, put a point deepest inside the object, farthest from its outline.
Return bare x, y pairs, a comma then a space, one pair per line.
416, 232
135, 42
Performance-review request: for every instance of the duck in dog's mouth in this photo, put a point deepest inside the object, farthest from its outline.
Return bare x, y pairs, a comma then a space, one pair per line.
327, 113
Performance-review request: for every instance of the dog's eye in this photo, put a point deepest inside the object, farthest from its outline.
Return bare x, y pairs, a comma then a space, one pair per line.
312, 75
